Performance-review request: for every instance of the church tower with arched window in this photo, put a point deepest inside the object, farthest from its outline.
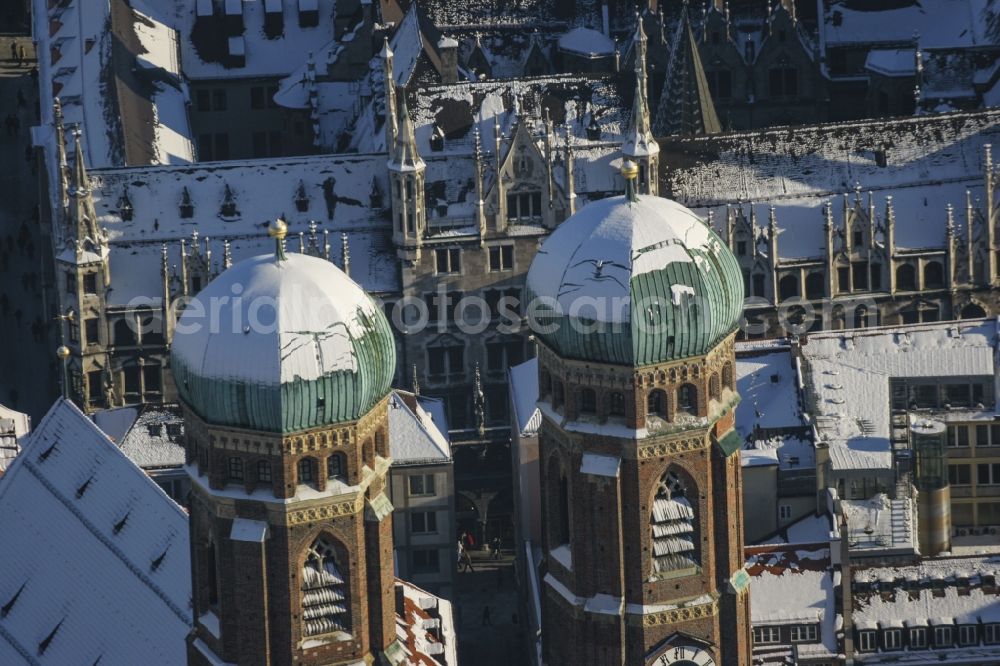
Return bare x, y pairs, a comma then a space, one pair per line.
283, 366
636, 303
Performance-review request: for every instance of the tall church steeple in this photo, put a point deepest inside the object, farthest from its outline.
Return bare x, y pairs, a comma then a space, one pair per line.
639, 145
639, 460
288, 453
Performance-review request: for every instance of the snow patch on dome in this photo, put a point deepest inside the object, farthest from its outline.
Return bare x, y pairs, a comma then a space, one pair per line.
270, 322
596, 253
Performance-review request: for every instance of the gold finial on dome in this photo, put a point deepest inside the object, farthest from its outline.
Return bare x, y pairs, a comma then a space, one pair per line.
63, 352
278, 230
630, 171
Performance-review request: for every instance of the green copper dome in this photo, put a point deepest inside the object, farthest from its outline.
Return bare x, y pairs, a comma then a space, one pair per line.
282, 346
633, 282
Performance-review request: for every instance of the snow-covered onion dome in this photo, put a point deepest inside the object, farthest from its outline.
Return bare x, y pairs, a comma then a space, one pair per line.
296, 344
638, 280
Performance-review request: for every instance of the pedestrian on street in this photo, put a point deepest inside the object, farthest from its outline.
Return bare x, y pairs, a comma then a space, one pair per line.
466, 561
487, 622
22, 56
461, 549
496, 548
13, 51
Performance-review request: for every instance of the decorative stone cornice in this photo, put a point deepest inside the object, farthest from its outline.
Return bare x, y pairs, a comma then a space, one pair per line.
660, 447
675, 615
326, 512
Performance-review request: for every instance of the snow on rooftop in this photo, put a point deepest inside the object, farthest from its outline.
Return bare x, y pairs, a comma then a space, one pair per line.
892, 62
414, 435
880, 523
155, 439
203, 43
425, 626
524, 393
109, 576
938, 24
848, 376
817, 162
768, 388
793, 587
588, 43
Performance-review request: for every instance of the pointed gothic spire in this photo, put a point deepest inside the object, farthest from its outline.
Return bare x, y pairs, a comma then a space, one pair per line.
570, 184
390, 96
404, 153
685, 103
63, 165
82, 217
639, 140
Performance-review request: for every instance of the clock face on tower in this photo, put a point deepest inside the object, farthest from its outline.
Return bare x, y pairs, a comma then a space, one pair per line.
684, 656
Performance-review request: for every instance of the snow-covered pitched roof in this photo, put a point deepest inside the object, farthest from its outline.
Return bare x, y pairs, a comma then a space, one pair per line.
155, 439
204, 43
937, 23
337, 195
790, 586
892, 62
96, 553
524, 394
819, 161
415, 437
848, 376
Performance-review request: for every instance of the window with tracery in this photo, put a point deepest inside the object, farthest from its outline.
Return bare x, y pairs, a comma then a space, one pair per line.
672, 523
324, 592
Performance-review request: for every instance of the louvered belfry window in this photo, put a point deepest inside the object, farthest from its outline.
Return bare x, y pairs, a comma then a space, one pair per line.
324, 592
673, 527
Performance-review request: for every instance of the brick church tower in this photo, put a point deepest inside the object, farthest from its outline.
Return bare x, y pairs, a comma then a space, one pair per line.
285, 397
636, 305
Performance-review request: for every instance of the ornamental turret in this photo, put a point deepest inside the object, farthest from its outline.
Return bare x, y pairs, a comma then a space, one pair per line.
406, 176
639, 145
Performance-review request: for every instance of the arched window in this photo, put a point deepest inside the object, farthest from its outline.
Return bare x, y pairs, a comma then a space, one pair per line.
367, 458
933, 275
263, 471
714, 391
213, 576
588, 401
563, 510
324, 591
687, 399
616, 404
235, 471
814, 286
380, 443
556, 497
727, 377
656, 404
906, 278
788, 287
335, 468
307, 471
973, 311
672, 524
